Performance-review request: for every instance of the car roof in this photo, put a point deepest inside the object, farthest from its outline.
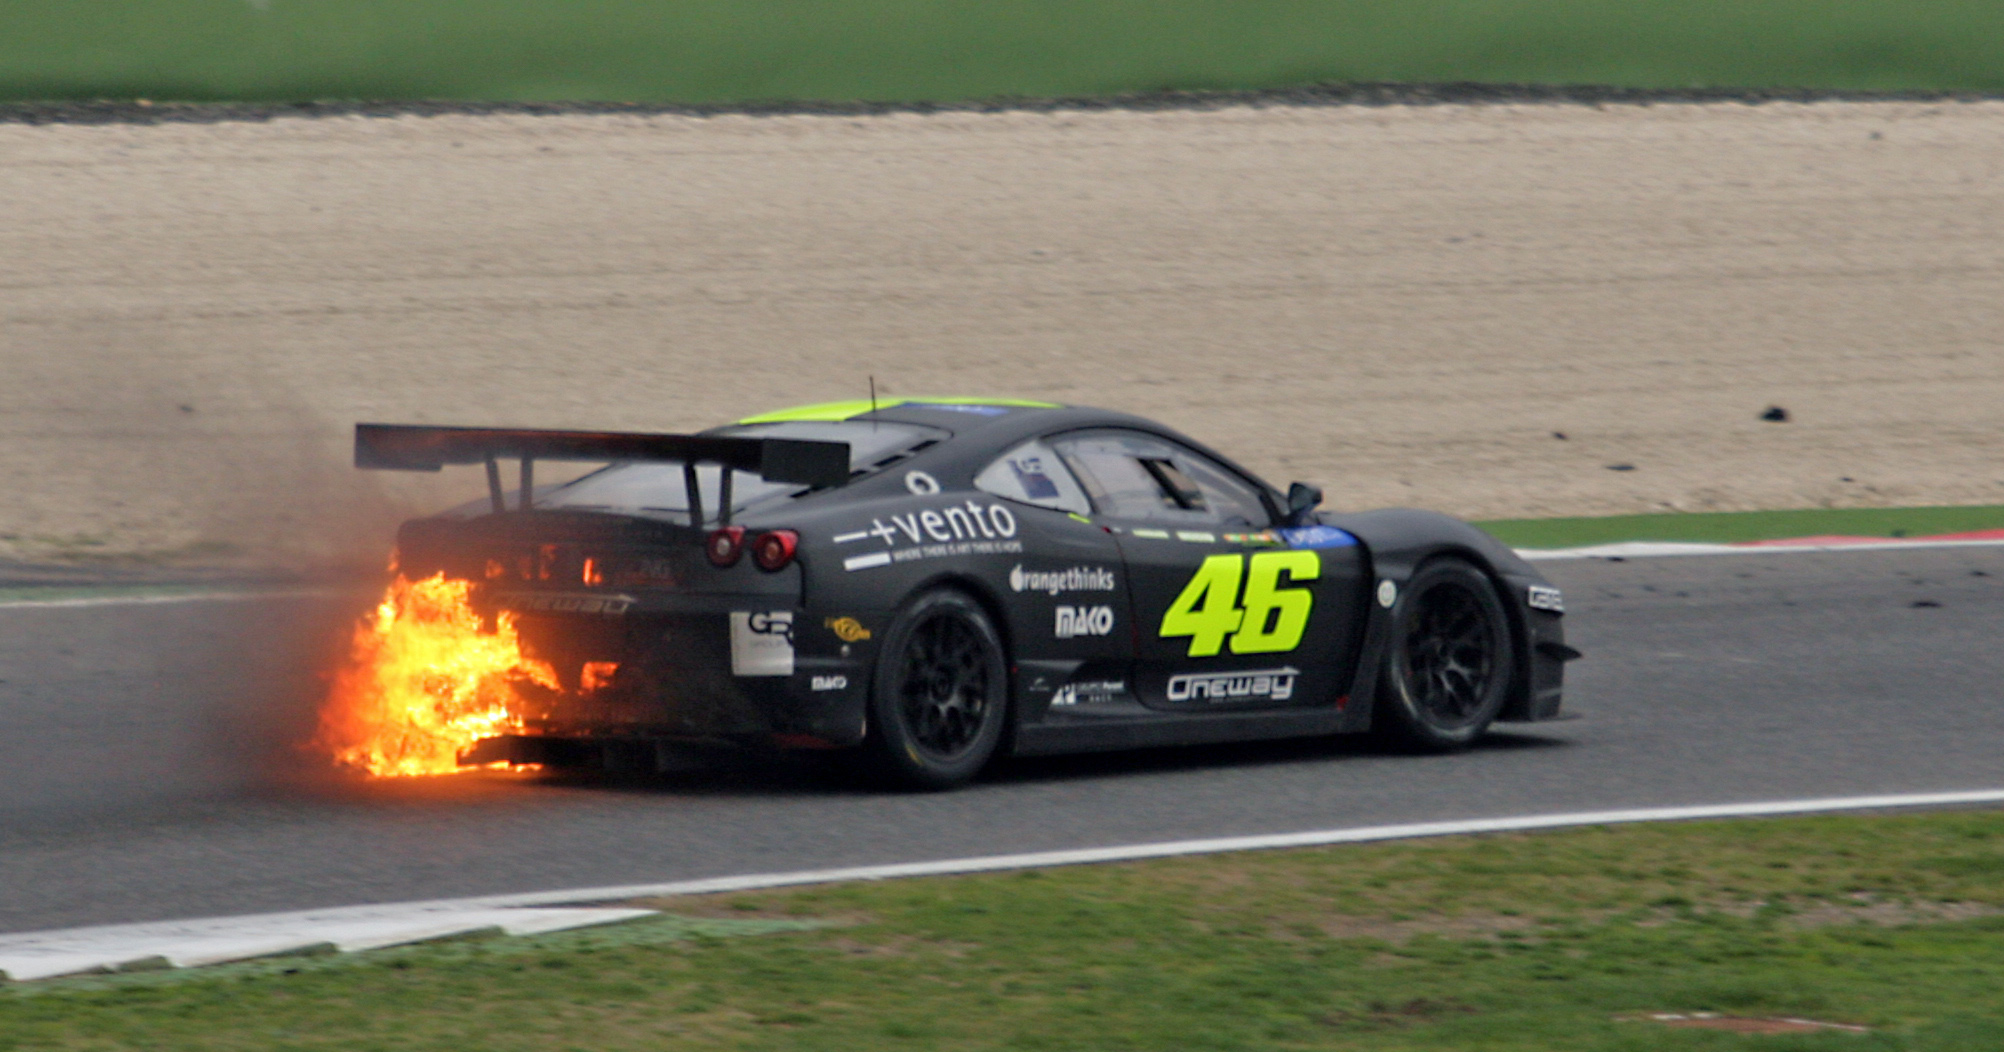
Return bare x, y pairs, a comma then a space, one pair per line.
984, 427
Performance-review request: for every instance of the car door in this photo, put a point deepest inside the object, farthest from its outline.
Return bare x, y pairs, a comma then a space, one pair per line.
1066, 597
1231, 611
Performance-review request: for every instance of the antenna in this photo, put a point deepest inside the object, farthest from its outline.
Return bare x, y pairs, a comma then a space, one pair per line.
873, 394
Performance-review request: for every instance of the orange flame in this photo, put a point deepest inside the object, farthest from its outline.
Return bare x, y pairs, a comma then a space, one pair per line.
424, 681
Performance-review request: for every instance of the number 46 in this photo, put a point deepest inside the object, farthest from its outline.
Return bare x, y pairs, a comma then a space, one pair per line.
1272, 617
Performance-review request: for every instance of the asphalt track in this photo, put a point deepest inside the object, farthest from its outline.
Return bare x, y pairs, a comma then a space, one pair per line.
144, 772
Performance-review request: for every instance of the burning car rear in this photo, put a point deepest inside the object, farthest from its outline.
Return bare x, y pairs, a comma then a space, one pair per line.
649, 603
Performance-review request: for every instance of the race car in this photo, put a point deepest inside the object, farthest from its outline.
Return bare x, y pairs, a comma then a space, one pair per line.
931, 583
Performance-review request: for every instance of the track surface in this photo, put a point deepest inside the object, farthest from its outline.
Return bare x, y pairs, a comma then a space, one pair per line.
135, 784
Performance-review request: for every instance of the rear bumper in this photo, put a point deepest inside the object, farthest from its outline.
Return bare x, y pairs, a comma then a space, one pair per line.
614, 755
709, 669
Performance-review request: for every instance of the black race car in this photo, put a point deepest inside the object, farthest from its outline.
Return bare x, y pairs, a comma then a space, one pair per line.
934, 582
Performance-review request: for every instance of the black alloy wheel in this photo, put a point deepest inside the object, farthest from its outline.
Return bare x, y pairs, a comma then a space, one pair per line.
940, 697
1447, 672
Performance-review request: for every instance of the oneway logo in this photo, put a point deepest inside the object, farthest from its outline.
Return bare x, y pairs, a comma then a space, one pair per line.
1274, 683
1055, 582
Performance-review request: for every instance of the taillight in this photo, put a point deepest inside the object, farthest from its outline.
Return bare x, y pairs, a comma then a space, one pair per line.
774, 549
724, 546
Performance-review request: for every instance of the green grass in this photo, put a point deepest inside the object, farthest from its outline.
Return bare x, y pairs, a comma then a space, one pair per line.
723, 51
1725, 527
1526, 942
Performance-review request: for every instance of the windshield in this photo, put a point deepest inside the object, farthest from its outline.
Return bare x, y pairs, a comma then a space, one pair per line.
656, 487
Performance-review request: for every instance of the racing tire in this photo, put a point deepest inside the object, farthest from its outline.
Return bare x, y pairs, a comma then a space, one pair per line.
1447, 670
939, 699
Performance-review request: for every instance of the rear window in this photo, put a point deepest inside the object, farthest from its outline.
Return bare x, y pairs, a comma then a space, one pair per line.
1033, 474
656, 488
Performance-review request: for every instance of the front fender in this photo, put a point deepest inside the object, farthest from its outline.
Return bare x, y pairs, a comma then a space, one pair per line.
1397, 541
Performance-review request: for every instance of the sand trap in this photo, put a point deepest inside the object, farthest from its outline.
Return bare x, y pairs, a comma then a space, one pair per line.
1403, 304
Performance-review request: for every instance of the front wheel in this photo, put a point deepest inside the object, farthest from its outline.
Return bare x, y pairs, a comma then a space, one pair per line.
940, 696
1447, 671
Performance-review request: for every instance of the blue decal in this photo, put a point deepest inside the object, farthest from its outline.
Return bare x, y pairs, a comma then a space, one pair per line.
1316, 537
1030, 475
978, 410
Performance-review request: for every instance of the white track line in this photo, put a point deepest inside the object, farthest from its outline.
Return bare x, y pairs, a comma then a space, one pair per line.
218, 940
1662, 549
170, 597
207, 940
1318, 838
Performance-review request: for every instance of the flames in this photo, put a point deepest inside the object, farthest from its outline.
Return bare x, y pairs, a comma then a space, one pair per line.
424, 680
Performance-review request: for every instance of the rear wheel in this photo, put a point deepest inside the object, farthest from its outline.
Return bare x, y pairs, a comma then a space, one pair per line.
939, 700
1447, 671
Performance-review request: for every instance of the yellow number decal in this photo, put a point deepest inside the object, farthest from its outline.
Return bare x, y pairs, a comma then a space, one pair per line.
1208, 609
1275, 616
1272, 618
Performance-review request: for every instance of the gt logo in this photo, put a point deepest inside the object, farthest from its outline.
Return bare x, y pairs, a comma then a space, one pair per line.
776, 623
1270, 621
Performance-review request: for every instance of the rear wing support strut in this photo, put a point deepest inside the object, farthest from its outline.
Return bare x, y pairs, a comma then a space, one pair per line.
410, 447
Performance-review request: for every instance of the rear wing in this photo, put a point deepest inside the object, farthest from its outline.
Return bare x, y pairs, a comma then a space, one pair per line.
408, 447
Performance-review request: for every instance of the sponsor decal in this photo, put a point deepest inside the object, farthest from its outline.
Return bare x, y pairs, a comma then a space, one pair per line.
762, 643
1196, 536
1388, 593
1276, 684
936, 551
921, 483
952, 523
1239, 599
1054, 582
864, 562
563, 603
1091, 692
1262, 539
829, 683
847, 629
956, 529
1030, 475
1076, 621
1153, 535
1317, 537
1545, 597
649, 572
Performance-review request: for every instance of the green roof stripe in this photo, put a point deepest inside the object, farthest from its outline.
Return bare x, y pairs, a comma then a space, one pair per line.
859, 406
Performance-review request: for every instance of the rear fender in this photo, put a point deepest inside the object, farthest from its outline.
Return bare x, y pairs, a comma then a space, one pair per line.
991, 603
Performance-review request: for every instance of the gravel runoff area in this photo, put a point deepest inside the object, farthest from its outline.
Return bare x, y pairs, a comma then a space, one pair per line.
1409, 304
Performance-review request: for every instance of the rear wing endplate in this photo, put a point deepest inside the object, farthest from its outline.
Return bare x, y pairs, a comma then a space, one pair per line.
409, 447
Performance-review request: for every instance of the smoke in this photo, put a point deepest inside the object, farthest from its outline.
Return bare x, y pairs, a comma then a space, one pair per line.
126, 448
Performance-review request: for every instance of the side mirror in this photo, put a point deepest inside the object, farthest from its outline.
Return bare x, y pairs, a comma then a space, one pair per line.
1301, 501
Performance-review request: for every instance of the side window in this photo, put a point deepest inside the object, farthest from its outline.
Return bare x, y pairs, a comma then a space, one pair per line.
1228, 495
1031, 473
1136, 476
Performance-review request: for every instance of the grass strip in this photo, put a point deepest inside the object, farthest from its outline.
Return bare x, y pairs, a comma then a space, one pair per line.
729, 51
1536, 941
1727, 527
